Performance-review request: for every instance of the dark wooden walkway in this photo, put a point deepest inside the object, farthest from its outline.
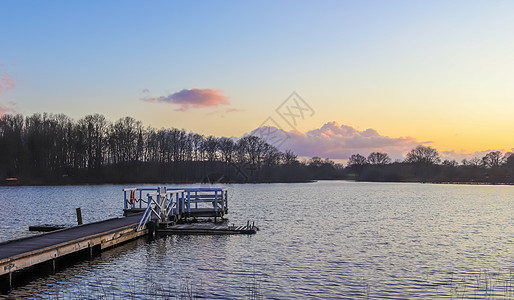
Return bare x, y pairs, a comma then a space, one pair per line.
29, 251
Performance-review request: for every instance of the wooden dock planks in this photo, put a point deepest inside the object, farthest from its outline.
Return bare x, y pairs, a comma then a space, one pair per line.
25, 252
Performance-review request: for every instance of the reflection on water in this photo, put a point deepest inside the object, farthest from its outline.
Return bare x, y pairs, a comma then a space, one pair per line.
339, 240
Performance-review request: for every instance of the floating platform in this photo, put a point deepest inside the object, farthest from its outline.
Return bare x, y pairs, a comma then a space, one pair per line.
207, 228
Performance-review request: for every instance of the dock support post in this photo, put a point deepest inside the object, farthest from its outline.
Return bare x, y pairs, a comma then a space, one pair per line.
10, 280
79, 216
152, 226
54, 269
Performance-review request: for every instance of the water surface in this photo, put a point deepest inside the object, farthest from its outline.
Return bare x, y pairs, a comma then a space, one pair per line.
329, 240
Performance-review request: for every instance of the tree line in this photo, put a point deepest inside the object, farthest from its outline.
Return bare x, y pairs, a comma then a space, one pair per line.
424, 164
54, 149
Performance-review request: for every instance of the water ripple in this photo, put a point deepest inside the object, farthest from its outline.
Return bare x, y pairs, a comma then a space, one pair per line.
324, 240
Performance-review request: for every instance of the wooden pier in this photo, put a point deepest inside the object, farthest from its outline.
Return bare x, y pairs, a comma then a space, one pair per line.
91, 238
146, 211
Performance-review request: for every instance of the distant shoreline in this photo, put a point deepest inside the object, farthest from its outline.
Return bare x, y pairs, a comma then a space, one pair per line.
441, 182
7, 184
158, 183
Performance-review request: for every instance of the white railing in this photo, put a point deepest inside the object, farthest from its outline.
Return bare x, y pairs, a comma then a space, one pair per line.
162, 204
217, 197
171, 204
137, 201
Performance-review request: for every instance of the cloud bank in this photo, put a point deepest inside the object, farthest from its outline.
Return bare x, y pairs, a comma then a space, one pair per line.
193, 98
459, 156
339, 142
336, 141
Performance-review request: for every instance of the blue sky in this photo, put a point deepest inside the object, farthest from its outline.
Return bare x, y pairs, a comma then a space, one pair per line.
436, 71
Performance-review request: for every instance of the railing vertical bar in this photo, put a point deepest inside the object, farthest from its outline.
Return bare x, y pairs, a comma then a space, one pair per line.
177, 205
182, 208
124, 199
222, 201
172, 201
216, 201
188, 202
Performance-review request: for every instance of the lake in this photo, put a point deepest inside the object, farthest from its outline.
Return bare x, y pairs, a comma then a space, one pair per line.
321, 240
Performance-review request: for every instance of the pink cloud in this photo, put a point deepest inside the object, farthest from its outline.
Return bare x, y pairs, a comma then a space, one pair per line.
193, 98
7, 109
6, 82
339, 141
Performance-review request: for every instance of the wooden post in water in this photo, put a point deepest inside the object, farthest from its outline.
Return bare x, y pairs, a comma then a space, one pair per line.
79, 216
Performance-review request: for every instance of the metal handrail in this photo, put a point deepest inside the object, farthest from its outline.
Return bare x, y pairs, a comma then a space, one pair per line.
165, 203
144, 218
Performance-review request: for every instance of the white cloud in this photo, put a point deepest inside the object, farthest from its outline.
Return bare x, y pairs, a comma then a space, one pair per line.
337, 141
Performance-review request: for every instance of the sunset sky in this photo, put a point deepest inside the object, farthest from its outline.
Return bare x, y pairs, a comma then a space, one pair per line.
368, 75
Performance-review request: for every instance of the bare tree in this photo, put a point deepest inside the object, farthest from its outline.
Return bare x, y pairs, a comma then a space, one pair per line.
11, 144
378, 158
423, 155
509, 159
290, 158
123, 137
271, 156
210, 147
492, 159
226, 148
95, 131
315, 162
357, 160
450, 163
475, 162
253, 149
